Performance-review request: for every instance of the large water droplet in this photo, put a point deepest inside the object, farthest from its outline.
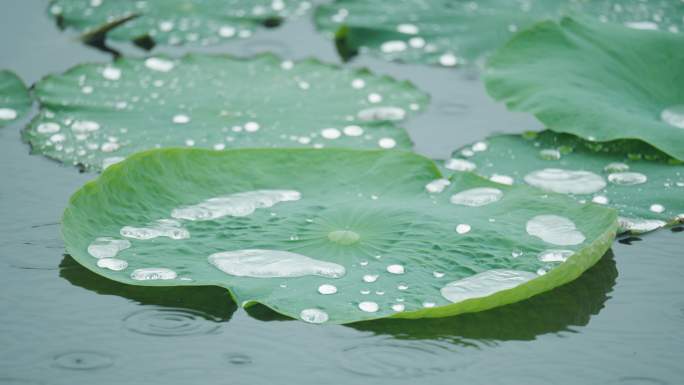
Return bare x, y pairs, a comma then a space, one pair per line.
484, 284
327, 289
153, 273
477, 196
161, 228
393, 46
48, 128
369, 307
437, 185
235, 205
382, 113
627, 178
566, 181
7, 114
106, 247
314, 316
554, 229
111, 73
550, 154
258, 263
157, 64
555, 255
674, 116
112, 264
344, 237
616, 167
638, 225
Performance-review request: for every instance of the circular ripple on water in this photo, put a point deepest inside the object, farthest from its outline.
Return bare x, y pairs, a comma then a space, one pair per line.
83, 360
400, 359
239, 359
171, 322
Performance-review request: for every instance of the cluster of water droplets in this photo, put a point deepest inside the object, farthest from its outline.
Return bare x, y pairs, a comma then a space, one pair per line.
104, 111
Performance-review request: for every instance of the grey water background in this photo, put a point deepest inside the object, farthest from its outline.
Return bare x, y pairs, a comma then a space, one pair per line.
622, 322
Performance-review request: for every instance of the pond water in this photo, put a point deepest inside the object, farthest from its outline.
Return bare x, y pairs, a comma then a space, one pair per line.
620, 323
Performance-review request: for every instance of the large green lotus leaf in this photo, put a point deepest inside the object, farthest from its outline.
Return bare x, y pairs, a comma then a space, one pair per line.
599, 81
332, 235
173, 22
96, 114
15, 100
645, 185
453, 32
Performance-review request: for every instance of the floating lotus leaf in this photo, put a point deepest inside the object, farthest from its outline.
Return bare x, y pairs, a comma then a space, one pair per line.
15, 100
173, 22
643, 184
331, 235
598, 81
96, 114
449, 33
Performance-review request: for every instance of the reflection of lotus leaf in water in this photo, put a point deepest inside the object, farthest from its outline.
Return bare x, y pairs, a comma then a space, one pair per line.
380, 239
95, 115
214, 302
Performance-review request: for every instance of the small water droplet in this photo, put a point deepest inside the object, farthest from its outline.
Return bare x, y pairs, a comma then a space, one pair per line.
353, 130
327, 289
463, 228
395, 269
227, 31
358, 83
428, 304
330, 133
387, 143
252, 126
181, 119
374, 98
409, 29
448, 60
402, 287
370, 278
7, 114
398, 307
437, 274
657, 208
